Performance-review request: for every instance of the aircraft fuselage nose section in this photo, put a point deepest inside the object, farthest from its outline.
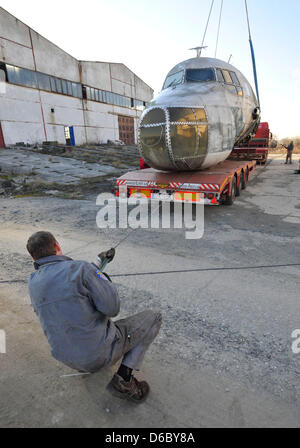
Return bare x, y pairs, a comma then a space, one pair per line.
174, 138
193, 125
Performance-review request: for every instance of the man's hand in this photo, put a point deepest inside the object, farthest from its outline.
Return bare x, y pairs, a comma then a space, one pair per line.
109, 255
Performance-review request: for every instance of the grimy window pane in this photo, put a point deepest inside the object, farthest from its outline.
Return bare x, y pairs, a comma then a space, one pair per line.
43, 82
29, 78
11, 74
109, 98
58, 85
20, 76
77, 90
53, 84
69, 85
64, 87
88, 93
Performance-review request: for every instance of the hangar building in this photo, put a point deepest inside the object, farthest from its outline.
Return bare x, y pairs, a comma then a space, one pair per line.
46, 95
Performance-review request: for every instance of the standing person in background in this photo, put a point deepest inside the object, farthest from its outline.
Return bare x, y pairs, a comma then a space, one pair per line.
289, 154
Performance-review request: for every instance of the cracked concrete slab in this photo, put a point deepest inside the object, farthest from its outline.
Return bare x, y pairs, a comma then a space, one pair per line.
54, 169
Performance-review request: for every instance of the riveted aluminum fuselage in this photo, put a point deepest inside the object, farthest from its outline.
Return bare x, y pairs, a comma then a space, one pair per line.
229, 118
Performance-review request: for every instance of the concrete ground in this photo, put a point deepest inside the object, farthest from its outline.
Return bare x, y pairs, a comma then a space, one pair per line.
223, 357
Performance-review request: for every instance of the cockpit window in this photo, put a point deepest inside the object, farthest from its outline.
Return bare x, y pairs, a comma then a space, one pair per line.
200, 75
227, 77
220, 76
235, 78
174, 79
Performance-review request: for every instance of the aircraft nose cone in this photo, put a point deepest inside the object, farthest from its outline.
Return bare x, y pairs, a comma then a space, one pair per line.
174, 138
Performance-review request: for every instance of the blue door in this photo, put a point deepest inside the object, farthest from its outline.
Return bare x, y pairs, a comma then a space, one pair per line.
72, 137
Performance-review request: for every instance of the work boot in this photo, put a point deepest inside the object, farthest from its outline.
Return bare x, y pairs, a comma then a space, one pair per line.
133, 390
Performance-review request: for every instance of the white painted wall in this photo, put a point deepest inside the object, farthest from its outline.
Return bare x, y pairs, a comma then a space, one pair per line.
95, 74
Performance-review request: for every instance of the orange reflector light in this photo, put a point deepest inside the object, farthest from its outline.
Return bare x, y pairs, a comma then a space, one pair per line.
190, 197
134, 192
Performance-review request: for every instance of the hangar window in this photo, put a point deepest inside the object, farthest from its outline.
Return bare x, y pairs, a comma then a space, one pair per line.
227, 77
104, 96
64, 87
53, 84
69, 86
173, 80
139, 105
92, 97
200, 75
109, 98
77, 90
58, 85
43, 81
21, 76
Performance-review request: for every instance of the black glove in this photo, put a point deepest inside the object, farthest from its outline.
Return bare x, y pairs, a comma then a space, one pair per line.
109, 255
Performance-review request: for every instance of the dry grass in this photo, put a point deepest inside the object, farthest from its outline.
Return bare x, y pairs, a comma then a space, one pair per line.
286, 141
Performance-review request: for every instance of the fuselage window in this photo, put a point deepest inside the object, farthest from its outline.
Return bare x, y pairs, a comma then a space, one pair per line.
173, 80
200, 75
234, 78
220, 76
227, 77
247, 89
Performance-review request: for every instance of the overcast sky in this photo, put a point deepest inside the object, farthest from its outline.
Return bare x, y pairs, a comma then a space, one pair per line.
150, 37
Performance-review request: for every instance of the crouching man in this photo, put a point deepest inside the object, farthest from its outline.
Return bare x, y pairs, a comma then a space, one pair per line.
74, 302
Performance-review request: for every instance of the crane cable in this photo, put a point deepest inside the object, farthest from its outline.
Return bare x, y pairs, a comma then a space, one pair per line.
185, 271
221, 10
211, 7
252, 54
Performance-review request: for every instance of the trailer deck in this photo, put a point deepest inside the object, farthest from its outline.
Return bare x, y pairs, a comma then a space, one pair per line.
214, 186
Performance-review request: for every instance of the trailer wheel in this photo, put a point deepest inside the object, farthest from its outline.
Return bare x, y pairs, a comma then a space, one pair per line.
245, 181
238, 189
230, 199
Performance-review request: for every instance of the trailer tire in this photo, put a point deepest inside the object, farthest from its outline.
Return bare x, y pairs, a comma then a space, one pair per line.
238, 189
245, 182
230, 199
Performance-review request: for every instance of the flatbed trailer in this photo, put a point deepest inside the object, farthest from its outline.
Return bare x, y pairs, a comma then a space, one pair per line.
217, 185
